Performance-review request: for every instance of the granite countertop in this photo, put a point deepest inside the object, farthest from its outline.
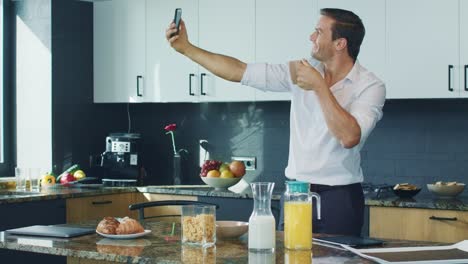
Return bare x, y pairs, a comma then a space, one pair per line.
424, 201
156, 248
428, 201
12, 196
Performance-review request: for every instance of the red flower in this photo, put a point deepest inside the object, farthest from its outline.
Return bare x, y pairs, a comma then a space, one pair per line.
170, 127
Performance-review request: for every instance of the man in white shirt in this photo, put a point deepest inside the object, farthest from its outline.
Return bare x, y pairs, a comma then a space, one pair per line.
335, 105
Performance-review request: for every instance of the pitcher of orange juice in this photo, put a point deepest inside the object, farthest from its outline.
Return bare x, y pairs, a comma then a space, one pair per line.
298, 215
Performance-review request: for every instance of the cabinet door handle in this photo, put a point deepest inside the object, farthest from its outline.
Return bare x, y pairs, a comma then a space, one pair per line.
466, 81
450, 67
190, 84
138, 85
101, 202
443, 218
201, 81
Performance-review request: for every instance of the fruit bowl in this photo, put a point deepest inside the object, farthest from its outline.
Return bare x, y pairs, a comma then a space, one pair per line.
220, 183
446, 191
231, 229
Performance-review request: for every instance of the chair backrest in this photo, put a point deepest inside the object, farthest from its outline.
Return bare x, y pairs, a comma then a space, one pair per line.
141, 207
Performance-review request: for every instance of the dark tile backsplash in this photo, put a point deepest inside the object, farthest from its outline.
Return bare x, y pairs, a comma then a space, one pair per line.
418, 141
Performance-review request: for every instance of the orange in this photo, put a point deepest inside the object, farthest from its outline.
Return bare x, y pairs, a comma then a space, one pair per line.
213, 174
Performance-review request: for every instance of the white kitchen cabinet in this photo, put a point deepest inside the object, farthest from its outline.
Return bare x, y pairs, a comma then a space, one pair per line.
422, 47
372, 14
119, 51
282, 34
225, 27
172, 77
464, 48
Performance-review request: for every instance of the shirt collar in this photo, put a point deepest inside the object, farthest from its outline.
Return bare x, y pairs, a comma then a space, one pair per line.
353, 74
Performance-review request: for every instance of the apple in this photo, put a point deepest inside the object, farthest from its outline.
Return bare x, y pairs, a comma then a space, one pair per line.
237, 168
67, 178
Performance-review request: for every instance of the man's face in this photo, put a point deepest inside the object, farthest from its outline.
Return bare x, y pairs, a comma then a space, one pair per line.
323, 46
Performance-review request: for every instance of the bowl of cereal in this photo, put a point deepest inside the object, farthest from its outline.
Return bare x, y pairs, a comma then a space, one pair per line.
446, 189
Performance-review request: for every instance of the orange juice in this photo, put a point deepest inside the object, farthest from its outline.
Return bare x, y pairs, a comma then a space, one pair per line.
298, 225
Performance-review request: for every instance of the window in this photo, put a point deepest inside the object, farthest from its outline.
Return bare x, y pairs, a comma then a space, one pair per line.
6, 113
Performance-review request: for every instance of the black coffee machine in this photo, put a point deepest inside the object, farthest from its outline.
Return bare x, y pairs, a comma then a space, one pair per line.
121, 161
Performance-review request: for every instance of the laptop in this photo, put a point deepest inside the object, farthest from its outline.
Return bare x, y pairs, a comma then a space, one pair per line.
51, 231
353, 241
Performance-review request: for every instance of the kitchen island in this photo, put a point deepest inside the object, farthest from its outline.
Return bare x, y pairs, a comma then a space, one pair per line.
162, 247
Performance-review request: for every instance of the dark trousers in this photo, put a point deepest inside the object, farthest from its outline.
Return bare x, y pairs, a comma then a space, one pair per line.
342, 209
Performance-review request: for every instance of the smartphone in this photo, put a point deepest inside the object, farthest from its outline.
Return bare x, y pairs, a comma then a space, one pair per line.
177, 16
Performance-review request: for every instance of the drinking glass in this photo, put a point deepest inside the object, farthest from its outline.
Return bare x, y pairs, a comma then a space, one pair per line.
34, 178
20, 178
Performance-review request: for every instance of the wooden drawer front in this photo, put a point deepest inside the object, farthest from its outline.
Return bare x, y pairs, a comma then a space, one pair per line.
165, 210
416, 224
97, 207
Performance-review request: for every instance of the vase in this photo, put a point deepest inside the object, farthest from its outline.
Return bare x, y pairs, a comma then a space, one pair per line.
177, 169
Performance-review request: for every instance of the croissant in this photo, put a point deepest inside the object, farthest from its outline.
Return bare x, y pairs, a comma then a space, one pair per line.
129, 226
108, 225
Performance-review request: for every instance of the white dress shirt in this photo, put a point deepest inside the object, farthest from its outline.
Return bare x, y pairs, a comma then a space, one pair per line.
315, 155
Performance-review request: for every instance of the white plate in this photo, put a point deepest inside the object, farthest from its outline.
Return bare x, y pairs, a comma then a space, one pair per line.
125, 236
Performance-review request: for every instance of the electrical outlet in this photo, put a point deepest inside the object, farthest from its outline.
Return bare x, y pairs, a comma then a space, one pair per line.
250, 162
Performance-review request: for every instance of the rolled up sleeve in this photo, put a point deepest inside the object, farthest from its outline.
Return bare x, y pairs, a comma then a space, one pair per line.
267, 77
367, 108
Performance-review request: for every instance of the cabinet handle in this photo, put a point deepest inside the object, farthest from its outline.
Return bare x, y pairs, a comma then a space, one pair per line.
450, 67
190, 84
101, 202
138, 85
443, 218
466, 81
201, 80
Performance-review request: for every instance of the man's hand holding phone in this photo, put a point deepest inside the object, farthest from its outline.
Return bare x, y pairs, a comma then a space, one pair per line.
176, 34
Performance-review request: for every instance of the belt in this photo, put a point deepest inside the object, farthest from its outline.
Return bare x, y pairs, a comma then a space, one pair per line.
318, 188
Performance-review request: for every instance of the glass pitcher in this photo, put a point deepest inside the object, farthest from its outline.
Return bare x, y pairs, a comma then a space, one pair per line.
298, 215
262, 223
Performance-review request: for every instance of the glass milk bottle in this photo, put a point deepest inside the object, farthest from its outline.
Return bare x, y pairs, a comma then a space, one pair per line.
262, 223
298, 215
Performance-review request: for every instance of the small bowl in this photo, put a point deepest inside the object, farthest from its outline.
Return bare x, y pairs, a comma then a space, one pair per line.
446, 191
220, 183
406, 193
231, 229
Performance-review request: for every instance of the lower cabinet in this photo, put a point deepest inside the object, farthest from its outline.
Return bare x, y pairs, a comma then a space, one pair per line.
97, 207
16, 215
418, 224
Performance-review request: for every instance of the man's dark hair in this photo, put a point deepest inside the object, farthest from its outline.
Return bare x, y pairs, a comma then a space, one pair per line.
347, 25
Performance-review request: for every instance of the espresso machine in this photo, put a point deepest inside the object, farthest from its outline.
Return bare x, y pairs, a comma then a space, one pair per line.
121, 161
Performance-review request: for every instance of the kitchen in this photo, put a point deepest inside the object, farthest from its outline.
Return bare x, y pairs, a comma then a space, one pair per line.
420, 139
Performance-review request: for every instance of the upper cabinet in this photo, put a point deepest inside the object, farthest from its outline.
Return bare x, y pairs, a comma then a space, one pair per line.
463, 48
422, 51
119, 51
416, 55
282, 34
172, 77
